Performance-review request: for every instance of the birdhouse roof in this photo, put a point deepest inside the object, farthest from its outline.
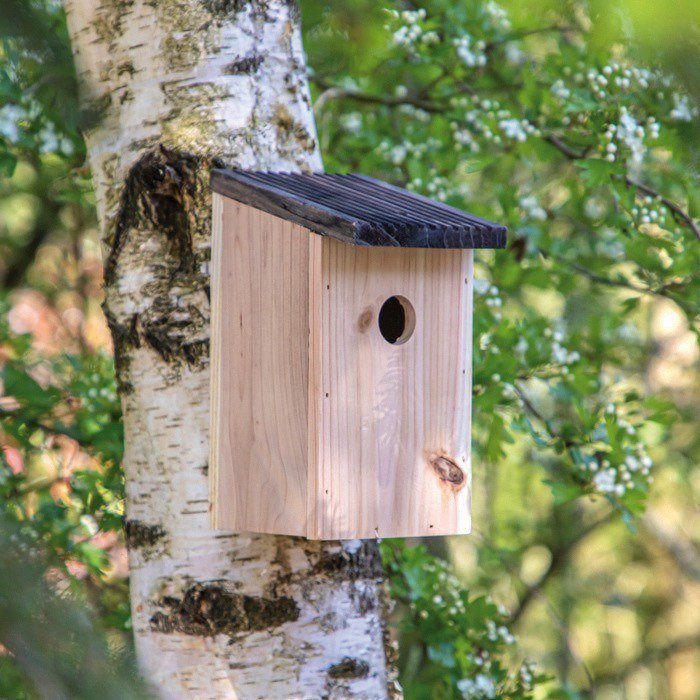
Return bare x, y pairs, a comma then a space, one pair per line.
359, 209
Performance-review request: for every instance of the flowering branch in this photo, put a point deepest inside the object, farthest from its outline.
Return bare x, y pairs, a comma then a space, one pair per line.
678, 212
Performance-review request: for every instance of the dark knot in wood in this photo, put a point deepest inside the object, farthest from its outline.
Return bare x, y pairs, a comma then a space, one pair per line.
447, 470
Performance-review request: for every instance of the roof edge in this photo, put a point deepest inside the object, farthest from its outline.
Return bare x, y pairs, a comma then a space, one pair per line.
248, 188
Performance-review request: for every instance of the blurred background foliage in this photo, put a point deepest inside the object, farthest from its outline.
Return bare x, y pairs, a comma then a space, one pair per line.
576, 124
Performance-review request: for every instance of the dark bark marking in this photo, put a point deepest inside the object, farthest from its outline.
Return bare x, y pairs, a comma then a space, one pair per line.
364, 601
290, 131
248, 64
447, 470
140, 534
364, 563
349, 668
165, 196
223, 9
124, 335
207, 610
158, 193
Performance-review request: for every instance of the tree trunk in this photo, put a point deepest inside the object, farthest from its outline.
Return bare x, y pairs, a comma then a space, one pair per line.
184, 85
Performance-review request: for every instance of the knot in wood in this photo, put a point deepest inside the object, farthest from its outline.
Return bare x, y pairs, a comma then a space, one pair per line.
447, 470
365, 319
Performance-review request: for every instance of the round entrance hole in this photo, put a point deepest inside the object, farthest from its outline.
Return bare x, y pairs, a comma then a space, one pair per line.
396, 320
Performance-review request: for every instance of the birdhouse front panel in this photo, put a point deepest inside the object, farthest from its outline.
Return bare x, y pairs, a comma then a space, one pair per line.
341, 357
391, 349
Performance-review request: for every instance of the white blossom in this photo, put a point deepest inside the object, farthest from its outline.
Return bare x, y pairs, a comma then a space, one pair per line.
497, 15
682, 110
605, 480
481, 285
481, 686
632, 135
532, 209
470, 54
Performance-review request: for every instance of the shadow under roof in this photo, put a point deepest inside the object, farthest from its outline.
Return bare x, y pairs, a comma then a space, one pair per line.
360, 210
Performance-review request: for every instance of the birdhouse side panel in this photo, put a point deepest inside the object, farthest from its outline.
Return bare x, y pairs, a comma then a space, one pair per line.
390, 406
259, 374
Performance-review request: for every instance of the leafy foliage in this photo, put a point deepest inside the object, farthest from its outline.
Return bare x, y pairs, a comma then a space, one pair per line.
52, 638
555, 142
541, 121
461, 637
589, 154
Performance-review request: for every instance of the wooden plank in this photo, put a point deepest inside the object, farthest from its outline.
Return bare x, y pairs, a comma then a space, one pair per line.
359, 210
215, 350
389, 424
260, 331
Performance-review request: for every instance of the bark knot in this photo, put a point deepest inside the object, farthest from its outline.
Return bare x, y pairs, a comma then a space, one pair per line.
160, 234
349, 668
140, 534
206, 610
246, 65
364, 562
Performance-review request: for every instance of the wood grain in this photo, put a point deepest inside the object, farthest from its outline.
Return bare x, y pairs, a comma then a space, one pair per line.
320, 427
389, 424
259, 379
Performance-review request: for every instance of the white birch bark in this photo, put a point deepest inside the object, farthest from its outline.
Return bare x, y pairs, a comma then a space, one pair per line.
185, 84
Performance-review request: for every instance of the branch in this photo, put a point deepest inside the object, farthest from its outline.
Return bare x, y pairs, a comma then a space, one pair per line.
623, 284
566, 639
682, 550
38, 425
559, 558
568, 442
334, 92
514, 36
17, 269
678, 212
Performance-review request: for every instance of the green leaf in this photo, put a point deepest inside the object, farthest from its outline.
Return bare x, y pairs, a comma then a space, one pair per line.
562, 491
8, 162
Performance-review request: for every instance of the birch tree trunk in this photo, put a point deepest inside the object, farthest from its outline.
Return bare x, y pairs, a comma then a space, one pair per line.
184, 85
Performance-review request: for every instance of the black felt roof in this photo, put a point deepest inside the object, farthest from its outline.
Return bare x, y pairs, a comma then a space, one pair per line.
360, 210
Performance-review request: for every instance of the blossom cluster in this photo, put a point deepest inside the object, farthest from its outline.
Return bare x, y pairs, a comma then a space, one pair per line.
531, 208
471, 54
613, 77
446, 599
411, 33
493, 300
481, 686
633, 470
486, 119
560, 354
631, 134
682, 110
398, 153
651, 211
497, 16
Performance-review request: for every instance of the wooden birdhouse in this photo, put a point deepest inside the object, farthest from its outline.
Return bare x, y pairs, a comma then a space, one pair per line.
341, 357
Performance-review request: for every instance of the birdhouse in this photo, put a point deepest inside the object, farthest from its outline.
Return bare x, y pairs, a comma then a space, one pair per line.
341, 353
